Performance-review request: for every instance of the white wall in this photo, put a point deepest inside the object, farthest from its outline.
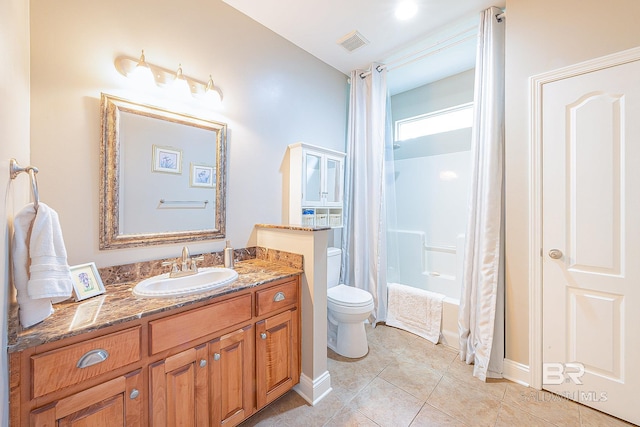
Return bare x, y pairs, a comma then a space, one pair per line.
543, 35
275, 94
14, 143
445, 93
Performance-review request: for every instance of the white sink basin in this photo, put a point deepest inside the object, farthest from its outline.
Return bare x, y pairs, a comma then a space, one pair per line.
206, 279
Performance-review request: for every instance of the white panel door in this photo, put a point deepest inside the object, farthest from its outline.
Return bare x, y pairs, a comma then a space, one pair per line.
591, 239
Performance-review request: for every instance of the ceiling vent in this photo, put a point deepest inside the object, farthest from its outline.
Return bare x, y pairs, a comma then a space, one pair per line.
353, 41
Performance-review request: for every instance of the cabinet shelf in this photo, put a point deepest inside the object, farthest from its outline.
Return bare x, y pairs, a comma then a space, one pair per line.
322, 217
316, 186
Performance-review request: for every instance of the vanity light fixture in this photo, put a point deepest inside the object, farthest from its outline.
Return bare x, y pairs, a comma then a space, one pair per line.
210, 86
164, 78
180, 85
142, 73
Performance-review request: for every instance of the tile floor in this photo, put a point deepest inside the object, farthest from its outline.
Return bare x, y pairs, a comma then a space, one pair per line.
407, 381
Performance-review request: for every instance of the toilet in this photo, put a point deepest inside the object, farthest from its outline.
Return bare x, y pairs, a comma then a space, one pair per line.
347, 310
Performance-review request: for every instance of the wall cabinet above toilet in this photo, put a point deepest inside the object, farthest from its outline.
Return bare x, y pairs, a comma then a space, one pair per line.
316, 185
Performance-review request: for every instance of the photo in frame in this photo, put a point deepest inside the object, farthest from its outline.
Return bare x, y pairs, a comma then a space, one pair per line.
167, 160
86, 281
202, 176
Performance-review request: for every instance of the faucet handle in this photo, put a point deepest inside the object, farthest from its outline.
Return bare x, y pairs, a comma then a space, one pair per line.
173, 264
193, 266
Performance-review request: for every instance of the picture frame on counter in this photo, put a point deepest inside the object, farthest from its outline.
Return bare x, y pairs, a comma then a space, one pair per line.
87, 282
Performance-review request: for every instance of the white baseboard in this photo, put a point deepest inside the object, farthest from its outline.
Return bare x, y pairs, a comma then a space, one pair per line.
313, 391
516, 372
450, 339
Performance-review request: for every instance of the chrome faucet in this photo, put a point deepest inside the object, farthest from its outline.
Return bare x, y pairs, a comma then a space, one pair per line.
187, 267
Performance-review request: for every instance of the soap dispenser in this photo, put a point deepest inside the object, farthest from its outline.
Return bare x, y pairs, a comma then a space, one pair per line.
228, 255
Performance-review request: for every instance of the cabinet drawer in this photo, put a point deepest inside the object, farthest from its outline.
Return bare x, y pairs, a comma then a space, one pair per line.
70, 365
179, 329
276, 297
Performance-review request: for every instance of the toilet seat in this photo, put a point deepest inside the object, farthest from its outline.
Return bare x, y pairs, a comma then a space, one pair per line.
348, 296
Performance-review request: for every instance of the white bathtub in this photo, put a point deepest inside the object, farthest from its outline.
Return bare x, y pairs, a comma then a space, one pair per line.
433, 268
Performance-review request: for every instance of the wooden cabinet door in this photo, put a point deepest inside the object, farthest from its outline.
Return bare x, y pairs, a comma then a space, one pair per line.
231, 359
277, 356
179, 389
114, 403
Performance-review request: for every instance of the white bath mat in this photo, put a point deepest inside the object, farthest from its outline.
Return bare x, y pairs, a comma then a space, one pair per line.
415, 310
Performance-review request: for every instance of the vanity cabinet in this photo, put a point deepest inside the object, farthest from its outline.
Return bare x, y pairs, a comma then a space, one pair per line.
276, 356
113, 403
316, 185
179, 392
231, 376
211, 365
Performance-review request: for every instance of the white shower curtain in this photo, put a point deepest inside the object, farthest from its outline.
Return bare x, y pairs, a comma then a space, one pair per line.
364, 243
481, 316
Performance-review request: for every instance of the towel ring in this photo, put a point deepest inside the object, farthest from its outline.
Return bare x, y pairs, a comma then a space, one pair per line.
15, 169
34, 188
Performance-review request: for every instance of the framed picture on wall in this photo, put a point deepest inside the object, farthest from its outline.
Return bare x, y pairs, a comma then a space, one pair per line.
167, 159
202, 176
86, 281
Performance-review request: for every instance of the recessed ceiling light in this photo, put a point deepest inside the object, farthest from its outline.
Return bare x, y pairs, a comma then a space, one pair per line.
406, 10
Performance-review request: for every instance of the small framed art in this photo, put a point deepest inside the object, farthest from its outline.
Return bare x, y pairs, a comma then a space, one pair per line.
86, 281
202, 176
167, 160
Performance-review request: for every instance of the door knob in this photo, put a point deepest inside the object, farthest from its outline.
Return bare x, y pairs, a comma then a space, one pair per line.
555, 254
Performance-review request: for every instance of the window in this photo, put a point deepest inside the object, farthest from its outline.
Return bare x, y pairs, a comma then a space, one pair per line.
458, 117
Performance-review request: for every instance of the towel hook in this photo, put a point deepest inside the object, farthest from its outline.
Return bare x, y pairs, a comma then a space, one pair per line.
15, 169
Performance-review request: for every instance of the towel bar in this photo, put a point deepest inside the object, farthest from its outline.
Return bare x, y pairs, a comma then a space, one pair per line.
15, 169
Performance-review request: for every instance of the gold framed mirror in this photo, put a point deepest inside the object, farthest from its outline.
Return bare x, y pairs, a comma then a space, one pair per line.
162, 176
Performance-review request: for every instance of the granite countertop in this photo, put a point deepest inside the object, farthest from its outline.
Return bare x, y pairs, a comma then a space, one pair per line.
118, 305
294, 227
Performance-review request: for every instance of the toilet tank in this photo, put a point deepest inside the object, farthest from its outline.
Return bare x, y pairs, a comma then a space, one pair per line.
334, 260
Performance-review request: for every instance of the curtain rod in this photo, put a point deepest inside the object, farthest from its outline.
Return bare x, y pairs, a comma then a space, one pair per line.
423, 53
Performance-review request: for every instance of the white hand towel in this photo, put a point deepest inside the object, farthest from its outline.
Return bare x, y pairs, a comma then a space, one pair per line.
49, 270
415, 310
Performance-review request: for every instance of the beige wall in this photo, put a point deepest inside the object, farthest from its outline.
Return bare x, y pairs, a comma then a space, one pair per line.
14, 143
275, 94
543, 35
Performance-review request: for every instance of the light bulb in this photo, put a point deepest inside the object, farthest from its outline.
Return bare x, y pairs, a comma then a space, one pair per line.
142, 74
180, 86
211, 92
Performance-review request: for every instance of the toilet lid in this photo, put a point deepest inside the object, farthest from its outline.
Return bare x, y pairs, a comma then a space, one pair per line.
349, 296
